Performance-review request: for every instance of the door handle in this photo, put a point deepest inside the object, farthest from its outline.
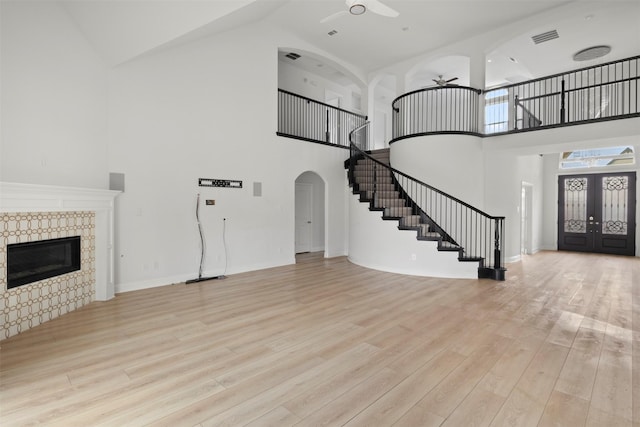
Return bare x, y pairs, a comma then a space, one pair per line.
308, 222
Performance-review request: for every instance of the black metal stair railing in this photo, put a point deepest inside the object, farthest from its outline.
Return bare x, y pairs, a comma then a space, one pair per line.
435, 215
447, 109
602, 92
303, 118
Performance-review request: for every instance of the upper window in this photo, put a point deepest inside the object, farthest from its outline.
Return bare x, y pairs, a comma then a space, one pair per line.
496, 111
597, 157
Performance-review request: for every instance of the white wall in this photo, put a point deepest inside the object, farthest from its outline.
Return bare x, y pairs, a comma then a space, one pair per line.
314, 86
54, 99
451, 163
505, 173
382, 92
382, 132
200, 111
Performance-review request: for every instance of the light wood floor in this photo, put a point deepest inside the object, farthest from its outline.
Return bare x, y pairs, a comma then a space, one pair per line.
326, 342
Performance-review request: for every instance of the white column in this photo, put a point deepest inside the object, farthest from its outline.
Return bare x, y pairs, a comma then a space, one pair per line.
477, 72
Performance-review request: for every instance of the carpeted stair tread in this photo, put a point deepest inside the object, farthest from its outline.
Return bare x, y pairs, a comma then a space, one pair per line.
378, 187
448, 246
410, 220
382, 195
389, 203
397, 212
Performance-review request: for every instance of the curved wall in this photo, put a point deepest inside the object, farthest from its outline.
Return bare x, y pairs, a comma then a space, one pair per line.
378, 244
450, 163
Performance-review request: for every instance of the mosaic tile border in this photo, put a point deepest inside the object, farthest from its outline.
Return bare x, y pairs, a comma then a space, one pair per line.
29, 305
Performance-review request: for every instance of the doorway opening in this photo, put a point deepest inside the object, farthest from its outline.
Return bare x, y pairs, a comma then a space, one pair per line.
309, 213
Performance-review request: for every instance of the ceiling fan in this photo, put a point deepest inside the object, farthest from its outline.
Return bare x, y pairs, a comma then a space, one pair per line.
442, 82
359, 7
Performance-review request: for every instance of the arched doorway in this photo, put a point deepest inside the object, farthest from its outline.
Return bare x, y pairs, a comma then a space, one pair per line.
309, 213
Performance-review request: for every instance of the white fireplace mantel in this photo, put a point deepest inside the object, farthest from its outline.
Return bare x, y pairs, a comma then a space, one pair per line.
15, 197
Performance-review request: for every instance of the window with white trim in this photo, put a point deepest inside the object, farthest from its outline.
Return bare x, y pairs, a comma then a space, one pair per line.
597, 157
496, 111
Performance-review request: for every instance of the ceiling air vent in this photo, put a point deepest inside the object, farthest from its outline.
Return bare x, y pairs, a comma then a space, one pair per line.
545, 37
292, 56
591, 53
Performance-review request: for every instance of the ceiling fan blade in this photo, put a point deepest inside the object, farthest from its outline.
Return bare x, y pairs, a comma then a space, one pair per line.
451, 80
333, 16
380, 9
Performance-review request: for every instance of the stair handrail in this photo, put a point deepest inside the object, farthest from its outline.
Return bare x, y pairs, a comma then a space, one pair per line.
497, 256
430, 187
527, 117
307, 119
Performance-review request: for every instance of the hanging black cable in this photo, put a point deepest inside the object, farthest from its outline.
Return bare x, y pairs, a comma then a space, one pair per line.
202, 249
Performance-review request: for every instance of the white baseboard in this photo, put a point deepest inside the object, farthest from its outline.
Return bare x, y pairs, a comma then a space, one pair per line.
514, 258
152, 283
173, 280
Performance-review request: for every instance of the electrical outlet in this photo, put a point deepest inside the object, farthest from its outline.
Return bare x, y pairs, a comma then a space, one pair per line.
210, 202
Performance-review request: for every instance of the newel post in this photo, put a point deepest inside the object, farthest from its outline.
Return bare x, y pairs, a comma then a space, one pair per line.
327, 133
497, 249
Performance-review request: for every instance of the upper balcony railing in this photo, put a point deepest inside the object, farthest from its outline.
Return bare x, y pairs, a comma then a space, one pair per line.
603, 92
446, 109
304, 118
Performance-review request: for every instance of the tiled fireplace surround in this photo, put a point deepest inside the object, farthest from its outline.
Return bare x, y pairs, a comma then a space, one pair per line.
36, 212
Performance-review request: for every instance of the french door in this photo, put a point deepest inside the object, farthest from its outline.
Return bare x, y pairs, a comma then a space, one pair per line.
597, 213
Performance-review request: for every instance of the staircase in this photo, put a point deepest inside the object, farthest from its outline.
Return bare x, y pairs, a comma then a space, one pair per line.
434, 215
376, 185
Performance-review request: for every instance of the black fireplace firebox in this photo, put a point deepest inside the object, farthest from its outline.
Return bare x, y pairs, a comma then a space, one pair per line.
32, 261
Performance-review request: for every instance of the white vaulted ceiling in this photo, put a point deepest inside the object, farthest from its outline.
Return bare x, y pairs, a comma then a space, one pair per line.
124, 29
